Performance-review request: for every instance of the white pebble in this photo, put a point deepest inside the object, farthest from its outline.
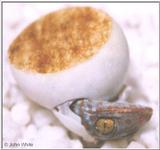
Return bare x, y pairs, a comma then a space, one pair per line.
148, 138
51, 137
42, 118
134, 144
53, 131
30, 132
11, 130
20, 113
12, 97
75, 144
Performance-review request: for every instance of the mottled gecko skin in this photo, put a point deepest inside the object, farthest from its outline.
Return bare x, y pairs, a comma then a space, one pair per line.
106, 121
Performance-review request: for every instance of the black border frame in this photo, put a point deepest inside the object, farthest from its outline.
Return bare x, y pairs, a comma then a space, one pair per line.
39, 1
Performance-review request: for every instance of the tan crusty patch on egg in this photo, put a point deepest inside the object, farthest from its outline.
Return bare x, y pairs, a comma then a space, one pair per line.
60, 40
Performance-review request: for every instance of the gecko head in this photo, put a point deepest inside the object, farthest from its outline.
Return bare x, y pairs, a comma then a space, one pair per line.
107, 121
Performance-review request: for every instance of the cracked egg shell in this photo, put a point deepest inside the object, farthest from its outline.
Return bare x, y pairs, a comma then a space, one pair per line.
71, 53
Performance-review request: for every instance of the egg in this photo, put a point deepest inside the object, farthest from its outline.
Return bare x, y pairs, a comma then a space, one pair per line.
70, 53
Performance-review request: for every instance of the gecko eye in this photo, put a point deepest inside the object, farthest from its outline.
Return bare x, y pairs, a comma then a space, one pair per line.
105, 126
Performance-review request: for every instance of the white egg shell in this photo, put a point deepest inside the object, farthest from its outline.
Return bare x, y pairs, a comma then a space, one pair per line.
100, 76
